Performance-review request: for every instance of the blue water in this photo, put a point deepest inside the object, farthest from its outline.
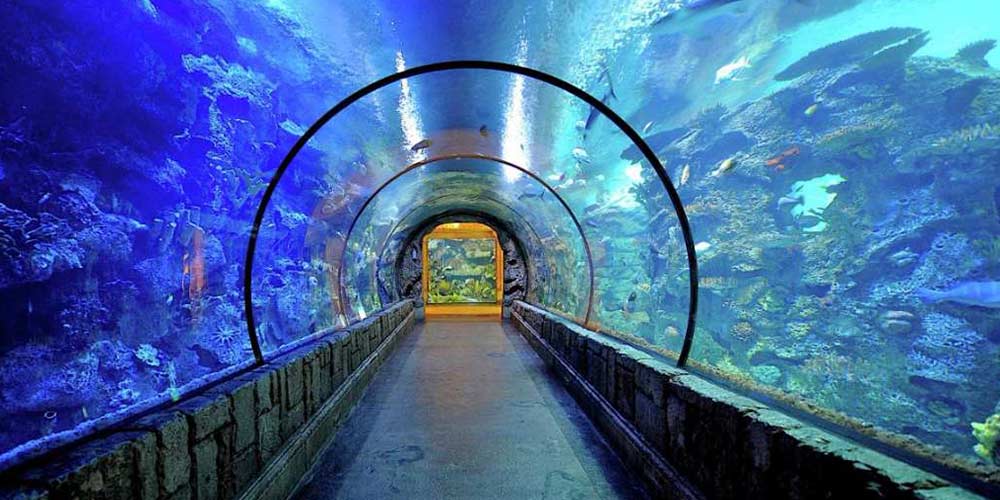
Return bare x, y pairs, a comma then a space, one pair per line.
832, 169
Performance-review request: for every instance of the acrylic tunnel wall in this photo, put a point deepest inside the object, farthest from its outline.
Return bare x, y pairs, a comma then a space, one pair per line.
837, 161
486, 141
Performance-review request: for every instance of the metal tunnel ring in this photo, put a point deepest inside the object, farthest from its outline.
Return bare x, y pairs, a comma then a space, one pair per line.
602, 108
535, 177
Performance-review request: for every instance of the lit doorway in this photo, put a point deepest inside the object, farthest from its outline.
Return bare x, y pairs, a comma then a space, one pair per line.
462, 271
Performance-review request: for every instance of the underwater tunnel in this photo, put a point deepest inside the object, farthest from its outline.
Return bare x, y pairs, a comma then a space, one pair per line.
461, 249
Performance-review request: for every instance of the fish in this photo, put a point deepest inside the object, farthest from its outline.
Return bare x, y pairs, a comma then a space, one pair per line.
608, 96
731, 70
657, 142
971, 293
778, 162
646, 127
483, 131
526, 195
424, 144
685, 174
811, 110
581, 156
629, 305
592, 223
724, 167
702, 246
692, 16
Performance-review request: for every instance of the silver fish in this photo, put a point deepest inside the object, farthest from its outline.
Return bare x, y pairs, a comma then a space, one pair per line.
972, 293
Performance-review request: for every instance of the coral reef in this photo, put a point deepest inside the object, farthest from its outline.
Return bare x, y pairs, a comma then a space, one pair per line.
946, 351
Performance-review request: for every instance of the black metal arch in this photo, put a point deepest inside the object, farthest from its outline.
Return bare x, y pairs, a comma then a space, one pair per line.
602, 108
458, 156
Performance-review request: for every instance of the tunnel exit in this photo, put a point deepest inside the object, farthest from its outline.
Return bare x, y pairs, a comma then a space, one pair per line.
462, 266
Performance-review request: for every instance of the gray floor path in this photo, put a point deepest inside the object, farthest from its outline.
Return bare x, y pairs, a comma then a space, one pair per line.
467, 410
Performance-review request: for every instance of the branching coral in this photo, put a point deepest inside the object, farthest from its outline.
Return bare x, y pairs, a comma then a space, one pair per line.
946, 352
950, 257
906, 216
148, 354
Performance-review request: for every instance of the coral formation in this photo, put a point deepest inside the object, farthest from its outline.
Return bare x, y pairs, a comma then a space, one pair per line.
946, 351
987, 434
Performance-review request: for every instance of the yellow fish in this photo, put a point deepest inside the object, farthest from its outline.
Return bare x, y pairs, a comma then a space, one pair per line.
811, 110
724, 167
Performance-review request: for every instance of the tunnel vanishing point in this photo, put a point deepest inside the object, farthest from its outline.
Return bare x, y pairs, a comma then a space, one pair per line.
688, 249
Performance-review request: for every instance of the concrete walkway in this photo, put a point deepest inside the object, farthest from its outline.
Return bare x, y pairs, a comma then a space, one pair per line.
467, 410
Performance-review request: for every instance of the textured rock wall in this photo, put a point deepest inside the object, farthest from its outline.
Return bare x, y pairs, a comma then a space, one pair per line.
724, 444
214, 445
515, 277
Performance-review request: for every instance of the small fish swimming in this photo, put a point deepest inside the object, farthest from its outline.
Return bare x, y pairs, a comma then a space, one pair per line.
630, 303
731, 70
483, 131
724, 167
581, 156
528, 194
972, 293
702, 246
424, 144
811, 110
685, 174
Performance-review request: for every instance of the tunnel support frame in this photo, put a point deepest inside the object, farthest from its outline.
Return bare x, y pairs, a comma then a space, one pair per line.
597, 104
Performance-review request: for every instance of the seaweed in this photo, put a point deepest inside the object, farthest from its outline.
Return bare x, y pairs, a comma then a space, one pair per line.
851, 50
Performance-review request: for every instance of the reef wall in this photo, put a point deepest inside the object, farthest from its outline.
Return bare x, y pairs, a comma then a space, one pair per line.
255, 434
689, 438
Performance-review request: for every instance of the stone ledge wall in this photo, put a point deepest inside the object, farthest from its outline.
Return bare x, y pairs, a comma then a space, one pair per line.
214, 445
724, 444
